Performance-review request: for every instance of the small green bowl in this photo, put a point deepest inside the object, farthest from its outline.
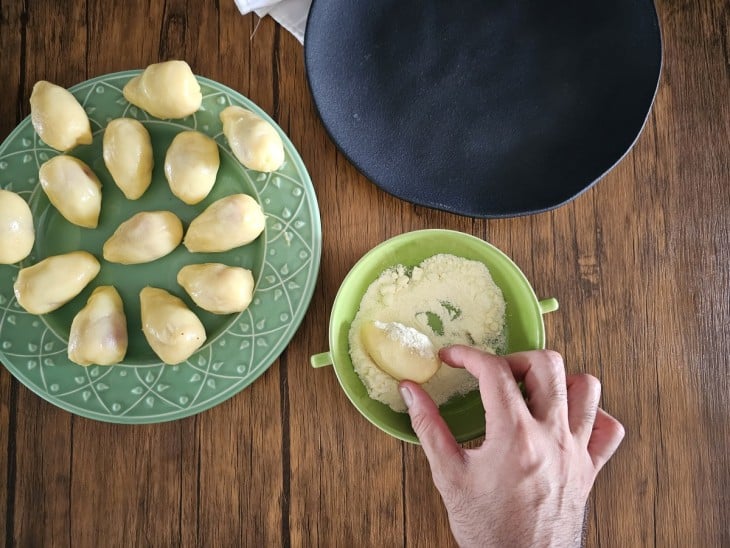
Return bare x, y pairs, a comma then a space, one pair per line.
524, 324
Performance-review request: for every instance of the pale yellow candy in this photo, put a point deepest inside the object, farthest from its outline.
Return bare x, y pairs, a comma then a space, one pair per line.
230, 222
402, 352
128, 156
99, 331
253, 140
17, 234
172, 330
165, 90
191, 166
54, 281
73, 189
58, 118
144, 237
216, 287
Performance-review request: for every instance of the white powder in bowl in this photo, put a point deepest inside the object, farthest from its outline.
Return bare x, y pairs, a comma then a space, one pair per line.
450, 299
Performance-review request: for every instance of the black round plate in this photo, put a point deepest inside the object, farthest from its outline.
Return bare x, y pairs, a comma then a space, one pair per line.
483, 108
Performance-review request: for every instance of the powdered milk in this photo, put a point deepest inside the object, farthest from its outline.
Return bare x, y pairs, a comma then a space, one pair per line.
450, 299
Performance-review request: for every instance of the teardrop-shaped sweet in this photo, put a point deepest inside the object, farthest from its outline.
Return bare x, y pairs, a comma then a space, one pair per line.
230, 222
216, 287
191, 166
73, 189
253, 140
172, 330
165, 90
54, 281
144, 237
58, 118
99, 331
402, 352
17, 234
128, 156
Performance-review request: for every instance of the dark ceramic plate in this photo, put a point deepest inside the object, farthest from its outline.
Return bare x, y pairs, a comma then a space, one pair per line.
483, 108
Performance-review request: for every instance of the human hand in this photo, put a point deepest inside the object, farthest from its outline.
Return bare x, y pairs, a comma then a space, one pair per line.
528, 483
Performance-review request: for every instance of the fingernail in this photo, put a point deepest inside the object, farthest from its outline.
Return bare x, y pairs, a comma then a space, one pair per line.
405, 393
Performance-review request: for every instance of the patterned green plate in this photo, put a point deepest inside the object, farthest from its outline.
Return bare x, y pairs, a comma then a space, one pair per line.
239, 348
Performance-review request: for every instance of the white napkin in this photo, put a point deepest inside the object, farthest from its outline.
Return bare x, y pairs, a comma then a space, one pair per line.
291, 14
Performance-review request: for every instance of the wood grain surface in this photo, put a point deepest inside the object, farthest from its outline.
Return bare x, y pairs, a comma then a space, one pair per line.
640, 264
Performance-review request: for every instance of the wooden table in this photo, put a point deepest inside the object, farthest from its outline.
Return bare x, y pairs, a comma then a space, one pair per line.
639, 264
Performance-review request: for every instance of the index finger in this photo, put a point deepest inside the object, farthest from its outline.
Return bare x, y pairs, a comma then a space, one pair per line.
501, 396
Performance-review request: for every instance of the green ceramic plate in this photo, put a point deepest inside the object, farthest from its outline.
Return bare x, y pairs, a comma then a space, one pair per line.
239, 348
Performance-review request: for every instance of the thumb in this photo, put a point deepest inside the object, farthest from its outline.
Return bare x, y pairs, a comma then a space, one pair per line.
443, 453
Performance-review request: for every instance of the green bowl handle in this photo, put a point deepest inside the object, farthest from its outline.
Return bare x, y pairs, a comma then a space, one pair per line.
321, 360
548, 305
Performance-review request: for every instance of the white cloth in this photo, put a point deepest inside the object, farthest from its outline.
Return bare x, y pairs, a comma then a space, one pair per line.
291, 14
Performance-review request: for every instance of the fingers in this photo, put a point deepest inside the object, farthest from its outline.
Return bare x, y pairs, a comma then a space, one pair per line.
584, 392
444, 455
543, 373
605, 438
501, 397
